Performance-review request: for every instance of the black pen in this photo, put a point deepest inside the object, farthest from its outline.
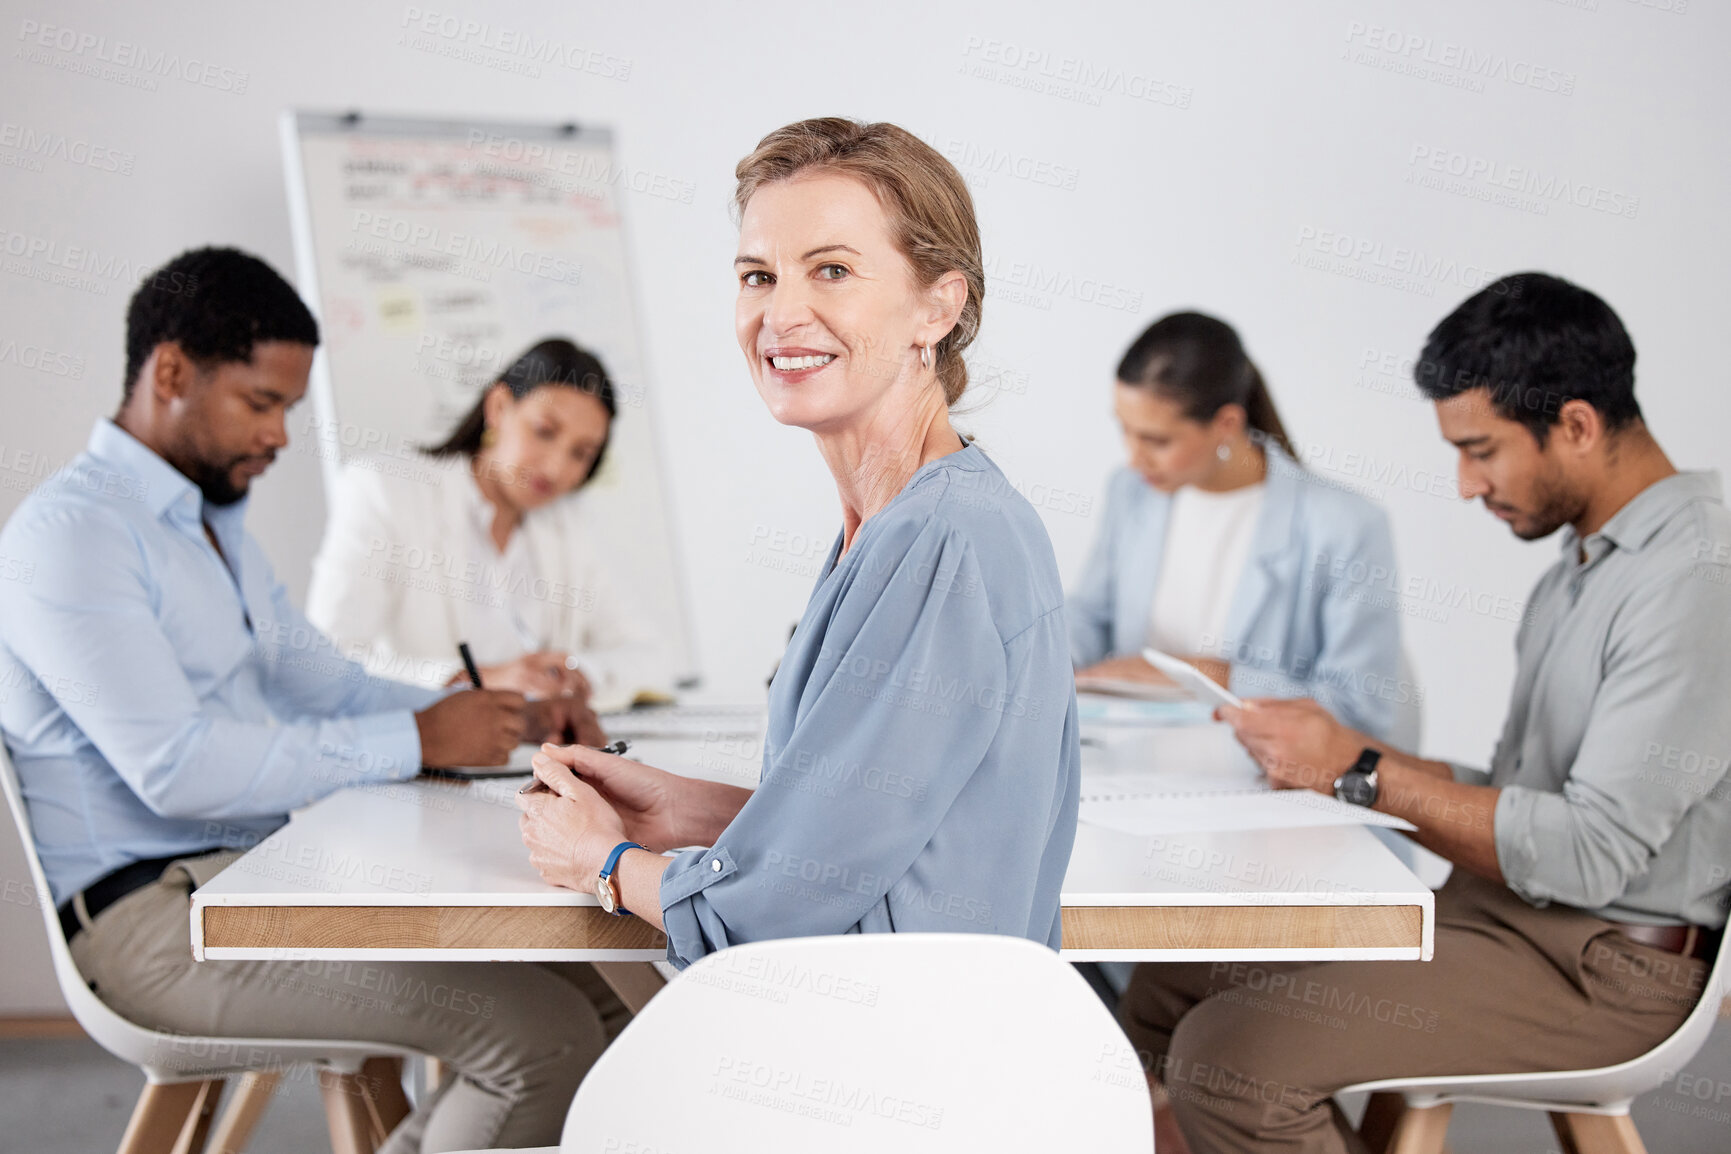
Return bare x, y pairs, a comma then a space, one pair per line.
616, 748
469, 664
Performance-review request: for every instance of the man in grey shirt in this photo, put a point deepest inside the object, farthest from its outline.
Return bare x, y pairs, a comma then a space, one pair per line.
1590, 882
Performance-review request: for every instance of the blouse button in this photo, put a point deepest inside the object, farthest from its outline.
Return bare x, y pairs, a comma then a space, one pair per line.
715, 864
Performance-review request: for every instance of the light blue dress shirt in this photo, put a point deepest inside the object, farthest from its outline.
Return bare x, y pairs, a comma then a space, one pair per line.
921, 767
1316, 612
156, 701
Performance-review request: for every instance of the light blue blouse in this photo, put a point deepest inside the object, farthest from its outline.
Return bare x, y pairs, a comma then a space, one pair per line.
1316, 612
921, 767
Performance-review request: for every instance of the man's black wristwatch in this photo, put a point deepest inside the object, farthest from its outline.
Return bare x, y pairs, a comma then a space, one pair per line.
1357, 786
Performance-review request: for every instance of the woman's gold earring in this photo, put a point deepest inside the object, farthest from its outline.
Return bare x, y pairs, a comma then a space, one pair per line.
489, 438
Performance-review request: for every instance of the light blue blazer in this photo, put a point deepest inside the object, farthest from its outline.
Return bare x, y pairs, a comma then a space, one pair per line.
1316, 613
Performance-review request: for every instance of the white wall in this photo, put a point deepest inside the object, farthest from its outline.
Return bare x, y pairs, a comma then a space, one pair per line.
1193, 155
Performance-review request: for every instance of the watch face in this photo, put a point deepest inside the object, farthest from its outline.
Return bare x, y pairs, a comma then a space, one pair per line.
1357, 789
604, 891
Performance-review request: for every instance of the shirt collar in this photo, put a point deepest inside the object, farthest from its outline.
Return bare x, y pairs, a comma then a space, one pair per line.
475, 504
1632, 526
165, 488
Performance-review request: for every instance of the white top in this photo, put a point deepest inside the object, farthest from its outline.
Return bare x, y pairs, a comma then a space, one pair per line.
408, 569
1208, 539
430, 844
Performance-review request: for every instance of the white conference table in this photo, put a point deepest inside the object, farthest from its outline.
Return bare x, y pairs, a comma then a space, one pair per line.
434, 870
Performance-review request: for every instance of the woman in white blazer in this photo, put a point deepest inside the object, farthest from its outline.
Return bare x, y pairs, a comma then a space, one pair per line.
1219, 548
485, 540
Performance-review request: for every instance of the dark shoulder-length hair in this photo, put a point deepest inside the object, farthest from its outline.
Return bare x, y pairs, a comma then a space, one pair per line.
554, 361
1198, 361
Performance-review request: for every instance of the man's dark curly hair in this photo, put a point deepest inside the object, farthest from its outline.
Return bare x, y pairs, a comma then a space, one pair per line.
216, 303
1533, 342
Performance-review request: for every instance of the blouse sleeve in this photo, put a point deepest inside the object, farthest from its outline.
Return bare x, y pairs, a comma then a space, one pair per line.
897, 709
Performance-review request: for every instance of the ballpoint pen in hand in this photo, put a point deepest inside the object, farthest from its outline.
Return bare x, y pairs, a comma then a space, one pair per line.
616, 748
469, 664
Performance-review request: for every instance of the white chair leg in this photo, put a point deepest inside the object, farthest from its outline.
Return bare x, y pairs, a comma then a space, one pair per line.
1598, 1133
252, 1094
1421, 1130
167, 1112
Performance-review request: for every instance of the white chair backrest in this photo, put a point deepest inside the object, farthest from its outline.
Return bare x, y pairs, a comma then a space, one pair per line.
1606, 1089
869, 1042
114, 1033
164, 1057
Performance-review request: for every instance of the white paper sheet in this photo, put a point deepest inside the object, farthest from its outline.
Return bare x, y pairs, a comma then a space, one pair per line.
1102, 709
685, 721
1149, 814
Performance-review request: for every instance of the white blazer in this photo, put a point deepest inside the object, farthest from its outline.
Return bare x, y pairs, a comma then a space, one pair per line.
402, 569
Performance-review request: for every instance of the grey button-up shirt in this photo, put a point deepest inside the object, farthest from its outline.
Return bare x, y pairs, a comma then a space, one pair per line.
1612, 761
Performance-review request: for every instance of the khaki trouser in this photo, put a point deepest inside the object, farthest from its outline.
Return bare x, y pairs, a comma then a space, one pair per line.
1251, 1053
519, 1036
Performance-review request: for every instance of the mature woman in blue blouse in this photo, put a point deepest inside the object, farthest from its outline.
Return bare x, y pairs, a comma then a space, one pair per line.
1218, 547
920, 771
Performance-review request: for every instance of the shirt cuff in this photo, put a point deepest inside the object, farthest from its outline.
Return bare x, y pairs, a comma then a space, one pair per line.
1517, 849
1467, 775
692, 929
392, 745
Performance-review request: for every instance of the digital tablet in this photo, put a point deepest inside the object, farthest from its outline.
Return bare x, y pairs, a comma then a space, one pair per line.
1192, 678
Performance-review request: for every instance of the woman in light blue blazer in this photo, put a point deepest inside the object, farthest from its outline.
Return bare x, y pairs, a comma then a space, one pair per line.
1218, 546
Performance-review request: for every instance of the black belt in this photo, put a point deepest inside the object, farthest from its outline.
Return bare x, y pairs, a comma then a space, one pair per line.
104, 892
1689, 941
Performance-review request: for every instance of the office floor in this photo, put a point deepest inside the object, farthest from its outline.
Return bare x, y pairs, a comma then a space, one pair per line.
66, 1096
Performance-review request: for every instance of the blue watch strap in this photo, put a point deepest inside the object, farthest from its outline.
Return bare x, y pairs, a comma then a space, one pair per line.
613, 860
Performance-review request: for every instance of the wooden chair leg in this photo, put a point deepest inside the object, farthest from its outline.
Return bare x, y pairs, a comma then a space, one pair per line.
197, 1128
634, 982
346, 1113
161, 1116
387, 1105
245, 1107
1421, 1131
1381, 1115
1599, 1133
